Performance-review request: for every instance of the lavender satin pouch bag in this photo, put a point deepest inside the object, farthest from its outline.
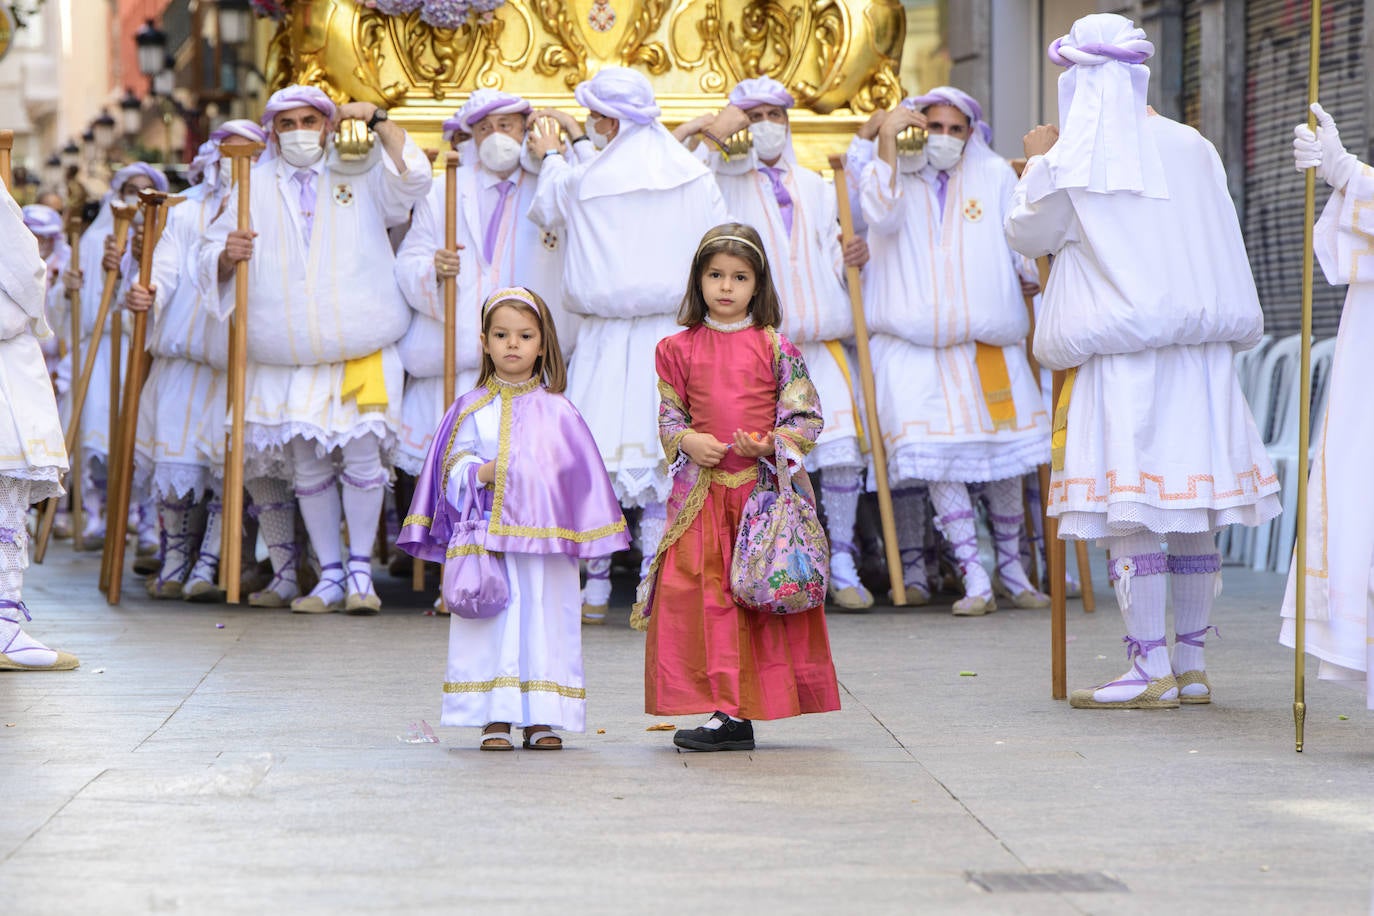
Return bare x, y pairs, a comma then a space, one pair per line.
474, 580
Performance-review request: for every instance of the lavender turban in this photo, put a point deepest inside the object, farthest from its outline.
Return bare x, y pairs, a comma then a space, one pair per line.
135, 169
208, 154
958, 98
484, 102
620, 93
42, 220
763, 90
297, 96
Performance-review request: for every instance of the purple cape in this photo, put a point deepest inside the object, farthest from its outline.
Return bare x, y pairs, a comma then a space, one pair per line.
551, 495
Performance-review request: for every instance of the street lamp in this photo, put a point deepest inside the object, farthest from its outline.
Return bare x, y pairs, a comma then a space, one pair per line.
130, 113
102, 129
235, 21
71, 155
165, 80
152, 48
52, 171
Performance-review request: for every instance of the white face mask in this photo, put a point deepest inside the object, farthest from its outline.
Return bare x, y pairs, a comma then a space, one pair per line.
301, 148
770, 139
599, 140
943, 151
500, 153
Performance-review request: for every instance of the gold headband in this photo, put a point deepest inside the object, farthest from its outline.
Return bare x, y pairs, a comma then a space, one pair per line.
734, 238
515, 293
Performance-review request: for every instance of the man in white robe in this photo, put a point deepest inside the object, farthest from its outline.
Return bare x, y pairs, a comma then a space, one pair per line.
99, 253
631, 219
179, 450
795, 212
1340, 530
1149, 297
325, 382
943, 297
498, 247
32, 454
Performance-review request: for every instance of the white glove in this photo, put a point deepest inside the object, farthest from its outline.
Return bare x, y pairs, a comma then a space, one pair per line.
1323, 150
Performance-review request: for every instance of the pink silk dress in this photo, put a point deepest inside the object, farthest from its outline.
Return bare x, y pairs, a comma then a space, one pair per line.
703, 651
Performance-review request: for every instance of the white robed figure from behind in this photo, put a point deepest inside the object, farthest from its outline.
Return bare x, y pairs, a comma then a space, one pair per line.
632, 218
1149, 297
1340, 523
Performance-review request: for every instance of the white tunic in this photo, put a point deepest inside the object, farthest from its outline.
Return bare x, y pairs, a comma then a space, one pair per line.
935, 287
524, 255
807, 265
628, 255
523, 666
183, 407
315, 304
31, 442
1149, 298
1340, 525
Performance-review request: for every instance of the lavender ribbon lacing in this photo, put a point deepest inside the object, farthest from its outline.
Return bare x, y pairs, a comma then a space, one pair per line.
10, 536
15, 605
1195, 565
316, 490
1136, 648
1196, 638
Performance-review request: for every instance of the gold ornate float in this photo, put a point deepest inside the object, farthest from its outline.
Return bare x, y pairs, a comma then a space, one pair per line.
839, 58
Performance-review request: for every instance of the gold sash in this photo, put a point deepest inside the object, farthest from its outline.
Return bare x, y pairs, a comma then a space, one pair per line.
1060, 436
992, 373
365, 381
837, 353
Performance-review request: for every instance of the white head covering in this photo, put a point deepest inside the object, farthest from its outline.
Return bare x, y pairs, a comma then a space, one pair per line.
620, 93
643, 156
1104, 144
42, 220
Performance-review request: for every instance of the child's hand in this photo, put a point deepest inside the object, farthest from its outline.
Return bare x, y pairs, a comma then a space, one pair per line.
705, 450
753, 445
487, 473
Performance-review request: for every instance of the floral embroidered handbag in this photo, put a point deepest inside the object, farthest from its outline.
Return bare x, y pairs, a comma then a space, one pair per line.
781, 556
474, 579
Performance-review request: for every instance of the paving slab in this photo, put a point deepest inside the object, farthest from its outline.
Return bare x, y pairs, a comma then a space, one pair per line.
256, 766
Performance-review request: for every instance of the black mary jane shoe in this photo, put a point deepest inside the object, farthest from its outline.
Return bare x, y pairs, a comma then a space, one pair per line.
728, 736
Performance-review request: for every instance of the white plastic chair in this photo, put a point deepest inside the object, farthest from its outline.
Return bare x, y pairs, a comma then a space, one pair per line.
1281, 549
1237, 542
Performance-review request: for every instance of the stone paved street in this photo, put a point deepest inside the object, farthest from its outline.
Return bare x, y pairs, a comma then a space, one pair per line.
256, 768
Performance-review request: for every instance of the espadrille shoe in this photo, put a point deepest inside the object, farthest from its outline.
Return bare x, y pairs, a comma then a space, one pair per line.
160, 589
21, 652
851, 598
1159, 693
1187, 679
327, 596
974, 606
594, 614
203, 591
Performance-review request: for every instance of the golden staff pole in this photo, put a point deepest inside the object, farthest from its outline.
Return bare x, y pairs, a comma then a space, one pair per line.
153, 203
240, 153
878, 449
123, 216
1314, 50
6, 172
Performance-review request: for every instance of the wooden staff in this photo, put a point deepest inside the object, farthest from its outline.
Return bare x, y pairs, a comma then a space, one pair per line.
122, 462
1314, 49
74, 451
240, 154
123, 216
112, 481
6, 148
875, 434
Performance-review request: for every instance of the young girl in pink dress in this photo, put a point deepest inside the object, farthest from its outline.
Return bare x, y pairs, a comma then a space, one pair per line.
729, 385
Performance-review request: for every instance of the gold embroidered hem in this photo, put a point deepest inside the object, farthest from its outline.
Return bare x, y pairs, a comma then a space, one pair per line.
691, 508
510, 682
466, 550
426, 520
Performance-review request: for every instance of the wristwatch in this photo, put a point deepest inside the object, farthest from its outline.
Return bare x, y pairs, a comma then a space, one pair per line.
548, 153
378, 117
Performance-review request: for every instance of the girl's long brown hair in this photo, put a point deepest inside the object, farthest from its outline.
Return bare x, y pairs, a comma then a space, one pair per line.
548, 365
764, 308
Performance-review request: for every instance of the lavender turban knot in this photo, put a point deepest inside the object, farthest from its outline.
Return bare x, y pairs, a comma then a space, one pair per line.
620, 93
763, 90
